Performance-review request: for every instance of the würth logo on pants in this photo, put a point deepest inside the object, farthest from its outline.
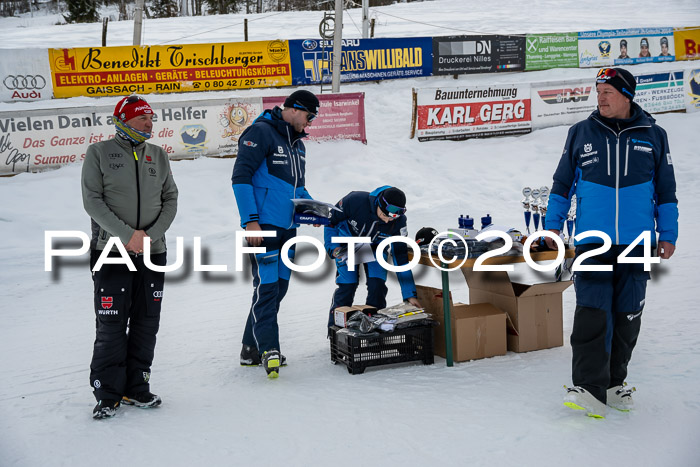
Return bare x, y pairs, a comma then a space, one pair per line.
106, 310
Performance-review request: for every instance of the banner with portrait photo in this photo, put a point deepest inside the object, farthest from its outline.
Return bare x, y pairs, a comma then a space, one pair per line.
660, 92
25, 75
468, 112
456, 55
115, 71
613, 47
361, 60
562, 102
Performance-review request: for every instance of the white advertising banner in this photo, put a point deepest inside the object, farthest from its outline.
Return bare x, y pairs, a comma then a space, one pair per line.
562, 102
35, 140
692, 90
468, 112
613, 47
660, 92
25, 75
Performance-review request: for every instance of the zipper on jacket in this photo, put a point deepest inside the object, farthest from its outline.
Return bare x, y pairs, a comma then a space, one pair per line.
294, 169
617, 171
607, 144
627, 154
138, 190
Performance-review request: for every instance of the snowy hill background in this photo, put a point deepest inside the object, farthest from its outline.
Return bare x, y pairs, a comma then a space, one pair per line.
498, 411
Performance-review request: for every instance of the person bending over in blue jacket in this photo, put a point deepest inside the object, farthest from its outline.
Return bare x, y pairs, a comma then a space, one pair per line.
618, 164
269, 173
377, 215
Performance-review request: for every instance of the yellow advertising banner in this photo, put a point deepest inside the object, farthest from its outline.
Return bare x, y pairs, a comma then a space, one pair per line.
112, 71
687, 43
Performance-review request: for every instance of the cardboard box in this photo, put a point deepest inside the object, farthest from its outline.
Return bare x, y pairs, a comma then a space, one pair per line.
342, 314
478, 331
534, 311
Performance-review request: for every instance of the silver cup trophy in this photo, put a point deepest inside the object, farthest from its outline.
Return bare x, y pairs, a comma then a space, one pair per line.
527, 191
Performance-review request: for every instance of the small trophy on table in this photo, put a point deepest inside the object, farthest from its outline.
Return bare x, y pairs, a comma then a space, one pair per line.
527, 191
544, 201
535, 207
570, 217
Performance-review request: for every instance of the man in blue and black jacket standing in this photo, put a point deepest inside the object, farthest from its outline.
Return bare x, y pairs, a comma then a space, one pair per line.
378, 215
618, 164
269, 172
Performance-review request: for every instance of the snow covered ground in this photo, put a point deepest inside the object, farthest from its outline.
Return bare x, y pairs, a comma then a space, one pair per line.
498, 411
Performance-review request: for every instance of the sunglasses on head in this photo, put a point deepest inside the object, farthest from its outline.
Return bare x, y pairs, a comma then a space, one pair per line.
131, 100
310, 116
391, 210
604, 74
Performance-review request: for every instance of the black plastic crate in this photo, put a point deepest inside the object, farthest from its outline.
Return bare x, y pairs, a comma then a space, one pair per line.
402, 345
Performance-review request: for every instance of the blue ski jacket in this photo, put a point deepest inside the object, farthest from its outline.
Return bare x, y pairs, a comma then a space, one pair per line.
622, 175
358, 218
269, 171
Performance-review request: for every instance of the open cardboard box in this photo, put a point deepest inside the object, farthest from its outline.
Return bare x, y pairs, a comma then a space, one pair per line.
534, 311
478, 331
342, 314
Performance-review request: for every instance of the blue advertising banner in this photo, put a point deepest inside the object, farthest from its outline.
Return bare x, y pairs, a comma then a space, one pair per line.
362, 59
625, 46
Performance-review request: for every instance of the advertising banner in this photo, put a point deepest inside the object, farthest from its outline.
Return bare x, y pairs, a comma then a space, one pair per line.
660, 92
562, 102
692, 90
544, 51
467, 112
456, 55
116, 71
25, 75
36, 140
687, 41
362, 59
342, 116
625, 46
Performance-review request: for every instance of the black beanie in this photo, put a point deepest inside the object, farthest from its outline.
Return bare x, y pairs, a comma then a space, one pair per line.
392, 196
425, 235
620, 79
303, 100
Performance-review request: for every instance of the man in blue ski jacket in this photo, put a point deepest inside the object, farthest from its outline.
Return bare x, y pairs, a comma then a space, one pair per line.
618, 164
378, 215
269, 173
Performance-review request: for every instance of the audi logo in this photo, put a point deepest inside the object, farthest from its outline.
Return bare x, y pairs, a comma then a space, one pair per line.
22, 82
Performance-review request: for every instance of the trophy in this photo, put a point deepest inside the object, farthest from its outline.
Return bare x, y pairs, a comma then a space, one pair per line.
535, 207
571, 215
526, 206
544, 198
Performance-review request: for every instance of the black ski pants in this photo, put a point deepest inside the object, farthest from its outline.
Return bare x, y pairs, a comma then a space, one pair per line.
127, 317
607, 320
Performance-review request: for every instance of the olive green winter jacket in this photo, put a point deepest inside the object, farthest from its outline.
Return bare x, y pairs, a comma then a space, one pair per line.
126, 189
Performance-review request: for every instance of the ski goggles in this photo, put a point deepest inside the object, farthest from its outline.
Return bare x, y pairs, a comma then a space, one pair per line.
389, 209
130, 100
605, 74
310, 116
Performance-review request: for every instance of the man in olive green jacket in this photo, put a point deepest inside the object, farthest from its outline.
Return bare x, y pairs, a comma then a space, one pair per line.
129, 193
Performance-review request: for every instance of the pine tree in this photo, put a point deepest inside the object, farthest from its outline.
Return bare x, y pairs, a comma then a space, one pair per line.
164, 8
82, 11
222, 7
